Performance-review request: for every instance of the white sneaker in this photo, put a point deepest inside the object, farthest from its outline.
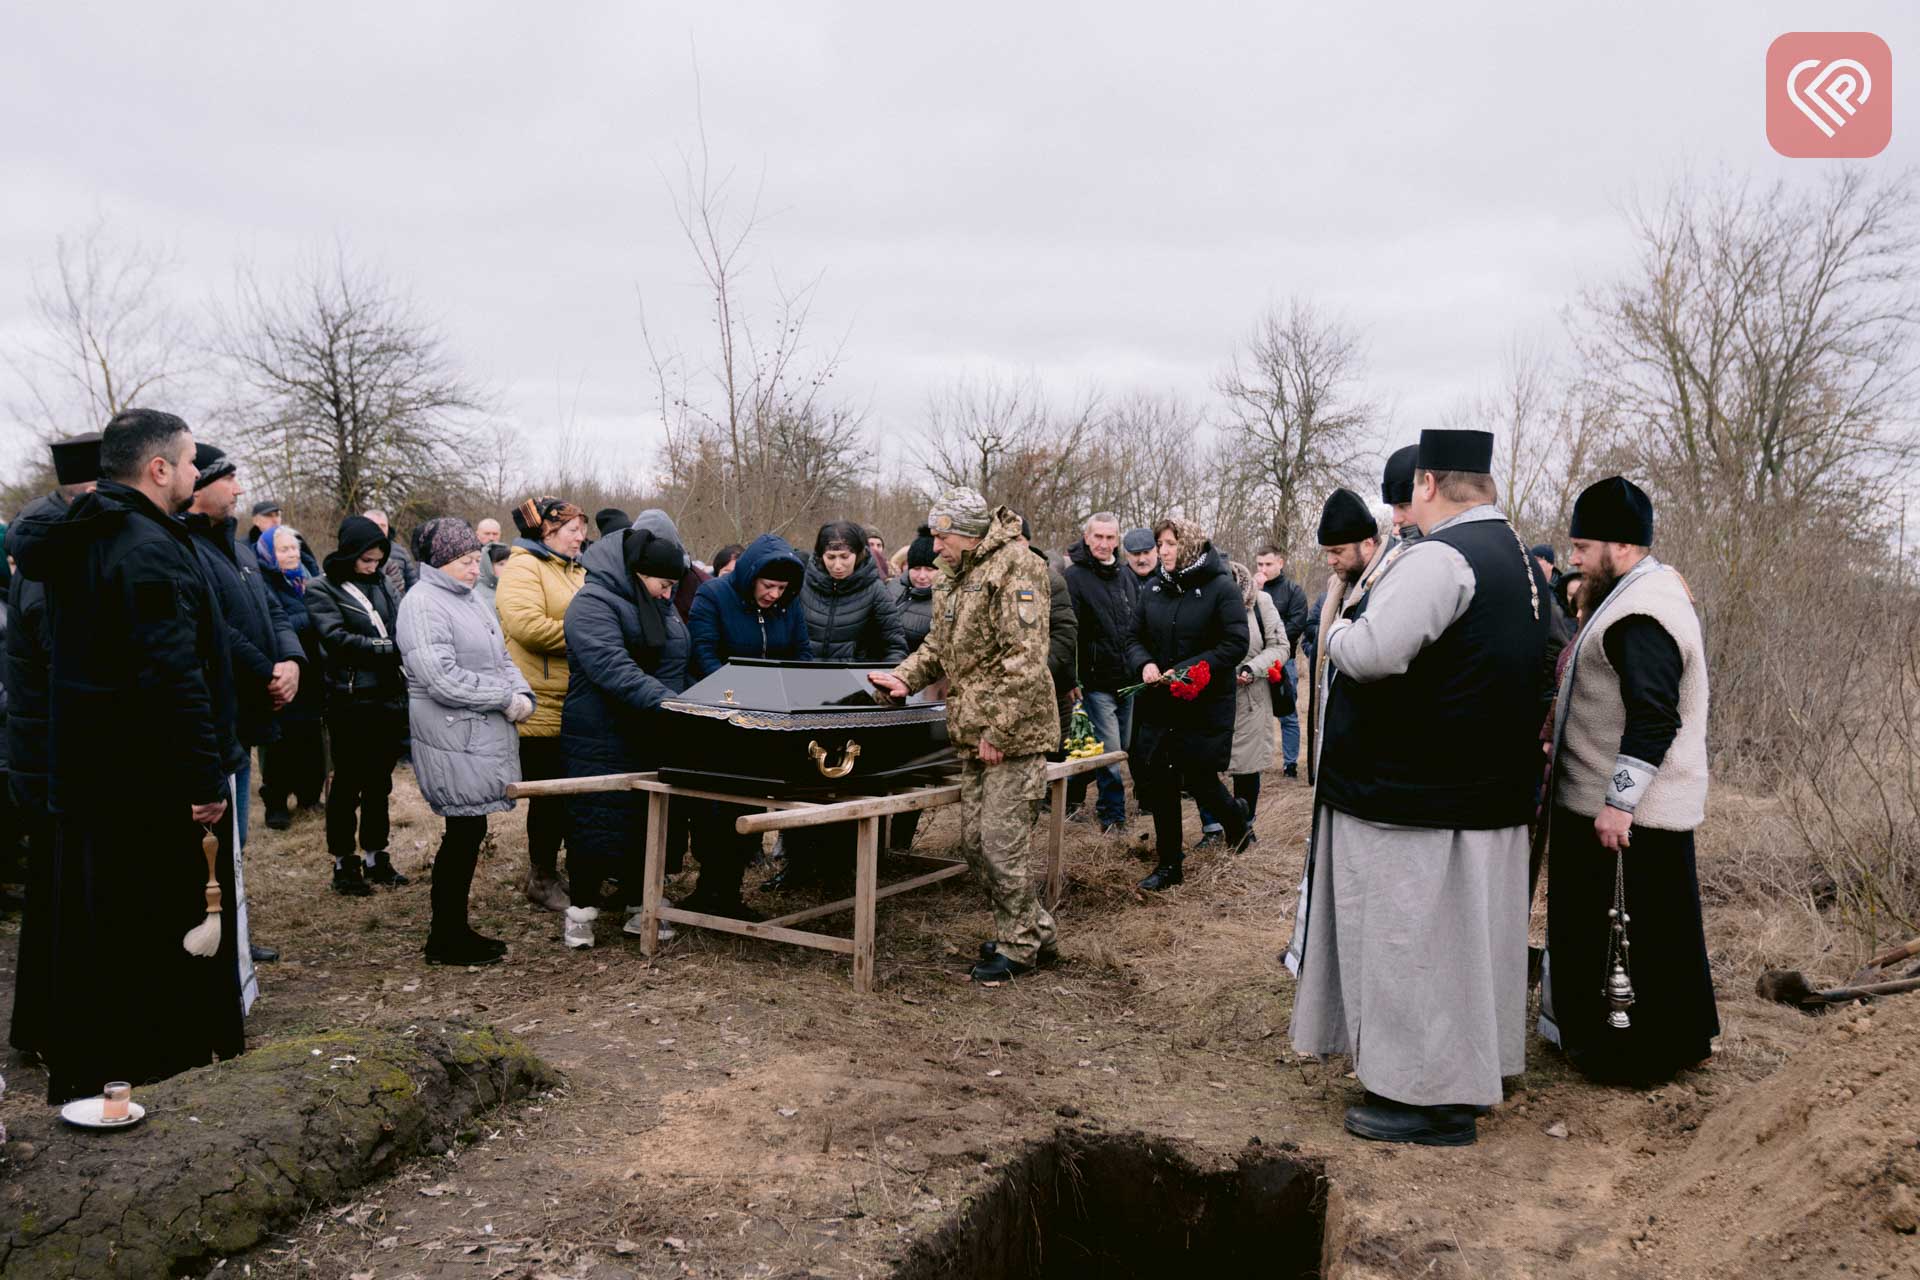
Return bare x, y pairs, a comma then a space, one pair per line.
637, 929
579, 931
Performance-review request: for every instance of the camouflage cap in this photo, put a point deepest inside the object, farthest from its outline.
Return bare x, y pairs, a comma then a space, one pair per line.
961, 511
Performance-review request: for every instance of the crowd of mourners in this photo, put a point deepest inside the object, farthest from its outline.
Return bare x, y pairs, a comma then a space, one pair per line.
165, 640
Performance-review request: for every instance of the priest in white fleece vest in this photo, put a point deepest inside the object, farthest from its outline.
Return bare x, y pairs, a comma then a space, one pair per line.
1628, 992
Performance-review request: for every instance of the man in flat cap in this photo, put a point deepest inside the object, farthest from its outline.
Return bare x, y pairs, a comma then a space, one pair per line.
1143, 557
1629, 786
76, 470
1415, 959
1396, 490
990, 639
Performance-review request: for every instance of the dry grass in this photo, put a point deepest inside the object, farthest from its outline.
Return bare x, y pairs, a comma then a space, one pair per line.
739, 1097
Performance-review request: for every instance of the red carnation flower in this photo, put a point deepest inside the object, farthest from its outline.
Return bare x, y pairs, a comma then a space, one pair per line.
1275, 675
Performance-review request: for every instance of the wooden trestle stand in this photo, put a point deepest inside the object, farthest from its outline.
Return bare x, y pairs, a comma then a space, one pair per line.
782, 815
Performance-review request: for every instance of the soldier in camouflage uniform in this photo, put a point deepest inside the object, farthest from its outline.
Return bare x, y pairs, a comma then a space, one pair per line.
989, 639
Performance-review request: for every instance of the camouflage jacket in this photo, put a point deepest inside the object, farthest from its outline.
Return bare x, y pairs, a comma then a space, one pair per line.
989, 639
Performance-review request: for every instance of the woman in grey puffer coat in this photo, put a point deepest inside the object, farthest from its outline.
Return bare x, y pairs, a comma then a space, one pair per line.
850, 613
464, 697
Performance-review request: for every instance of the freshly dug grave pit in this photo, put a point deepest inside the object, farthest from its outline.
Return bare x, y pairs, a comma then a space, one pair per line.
1111, 1206
230, 1150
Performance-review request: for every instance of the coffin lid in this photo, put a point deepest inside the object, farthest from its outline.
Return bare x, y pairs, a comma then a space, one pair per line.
787, 688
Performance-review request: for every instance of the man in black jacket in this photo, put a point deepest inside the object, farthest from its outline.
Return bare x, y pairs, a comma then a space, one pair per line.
140, 721
1106, 595
1290, 601
76, 467
265, 650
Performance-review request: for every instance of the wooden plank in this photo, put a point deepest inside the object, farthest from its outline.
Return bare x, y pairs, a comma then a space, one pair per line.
848, 810
1069, 768
651, 782
946, 872
754, 929
1057, 843
573, 786
866, 871
654, 885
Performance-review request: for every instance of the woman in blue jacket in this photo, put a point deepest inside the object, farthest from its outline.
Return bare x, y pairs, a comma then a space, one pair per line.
751, 613
628, 652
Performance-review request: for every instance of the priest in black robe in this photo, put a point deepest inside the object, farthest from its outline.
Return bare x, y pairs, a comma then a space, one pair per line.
1629, 789
141, 714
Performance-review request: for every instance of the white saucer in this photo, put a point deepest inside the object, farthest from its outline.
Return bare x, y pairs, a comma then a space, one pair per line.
85, 1112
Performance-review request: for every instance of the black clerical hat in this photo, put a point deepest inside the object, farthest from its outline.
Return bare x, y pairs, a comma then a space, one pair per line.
76, 460
1346, 519
1614, 510
1396, 483
1443, 450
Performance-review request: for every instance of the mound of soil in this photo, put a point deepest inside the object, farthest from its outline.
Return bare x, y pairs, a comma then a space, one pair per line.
1813, 1170
229, 1151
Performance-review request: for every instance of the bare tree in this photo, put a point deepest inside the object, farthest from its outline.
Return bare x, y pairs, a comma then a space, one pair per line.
1548, 427
1762, 350
1757, 368
357, 398
1005, 438
1295, 410
753, 437
106, 336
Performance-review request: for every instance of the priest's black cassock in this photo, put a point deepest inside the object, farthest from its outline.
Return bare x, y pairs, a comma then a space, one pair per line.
142, 712
1630, 734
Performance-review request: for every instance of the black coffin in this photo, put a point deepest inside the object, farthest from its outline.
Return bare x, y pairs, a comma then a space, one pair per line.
803, 729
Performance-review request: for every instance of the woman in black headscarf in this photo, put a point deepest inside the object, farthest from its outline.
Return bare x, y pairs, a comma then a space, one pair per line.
355, 616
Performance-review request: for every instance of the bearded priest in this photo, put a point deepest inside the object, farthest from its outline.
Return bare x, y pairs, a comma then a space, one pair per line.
1628, 995
1415, 962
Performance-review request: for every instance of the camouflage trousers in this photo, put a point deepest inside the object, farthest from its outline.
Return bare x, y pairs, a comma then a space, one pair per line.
997, 808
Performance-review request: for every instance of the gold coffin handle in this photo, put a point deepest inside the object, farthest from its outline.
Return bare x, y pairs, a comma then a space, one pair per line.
849, 754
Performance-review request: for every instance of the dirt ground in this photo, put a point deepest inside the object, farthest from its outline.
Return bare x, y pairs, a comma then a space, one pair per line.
732, 1108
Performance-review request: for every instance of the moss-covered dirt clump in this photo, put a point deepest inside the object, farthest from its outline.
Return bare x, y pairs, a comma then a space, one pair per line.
229, 1151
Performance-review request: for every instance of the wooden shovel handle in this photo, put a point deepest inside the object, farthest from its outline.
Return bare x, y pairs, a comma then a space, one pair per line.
1904, 951
1841, 995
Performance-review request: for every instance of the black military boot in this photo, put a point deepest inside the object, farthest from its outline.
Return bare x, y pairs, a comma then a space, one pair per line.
1165, 876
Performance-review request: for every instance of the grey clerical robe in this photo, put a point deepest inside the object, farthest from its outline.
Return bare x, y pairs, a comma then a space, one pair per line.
1412, 945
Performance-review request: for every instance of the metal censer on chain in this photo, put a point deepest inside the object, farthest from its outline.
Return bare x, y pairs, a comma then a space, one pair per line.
1619, 984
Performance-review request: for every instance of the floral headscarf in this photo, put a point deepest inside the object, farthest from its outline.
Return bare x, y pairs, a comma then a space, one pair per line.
1189, 538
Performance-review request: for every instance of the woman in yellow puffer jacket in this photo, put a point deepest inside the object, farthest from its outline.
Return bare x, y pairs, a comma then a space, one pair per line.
538, 580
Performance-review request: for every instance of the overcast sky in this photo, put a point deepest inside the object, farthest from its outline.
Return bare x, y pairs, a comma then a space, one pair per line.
1099, 194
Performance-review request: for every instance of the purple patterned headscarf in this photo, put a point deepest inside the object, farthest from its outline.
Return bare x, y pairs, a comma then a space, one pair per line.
445, 539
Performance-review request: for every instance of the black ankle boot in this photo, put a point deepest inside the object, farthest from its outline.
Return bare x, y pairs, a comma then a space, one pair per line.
1245, 838
382, 872
349, 880
1165, 876
466, 948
